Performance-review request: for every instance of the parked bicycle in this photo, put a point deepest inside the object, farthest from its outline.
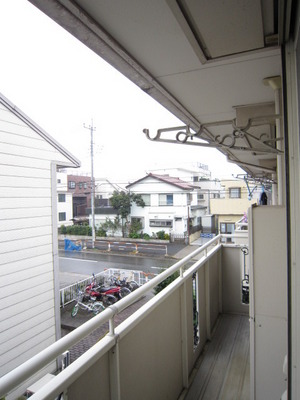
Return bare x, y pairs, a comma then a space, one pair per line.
90, 305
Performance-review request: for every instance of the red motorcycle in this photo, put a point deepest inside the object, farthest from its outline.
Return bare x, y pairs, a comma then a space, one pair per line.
107, 294
93, 290
117, 291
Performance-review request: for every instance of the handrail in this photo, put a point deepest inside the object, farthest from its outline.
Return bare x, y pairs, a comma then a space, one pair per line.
42, 359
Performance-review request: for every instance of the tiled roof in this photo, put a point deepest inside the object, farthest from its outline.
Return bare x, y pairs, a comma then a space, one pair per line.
167, 179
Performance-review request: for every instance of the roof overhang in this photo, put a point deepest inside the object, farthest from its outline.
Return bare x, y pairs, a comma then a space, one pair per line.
208, 62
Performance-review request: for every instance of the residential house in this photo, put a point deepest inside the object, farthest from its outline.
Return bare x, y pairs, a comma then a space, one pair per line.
64, 200
232, 204
171, 204
104, 189
196, 174
230, 72
80, 187
29, 280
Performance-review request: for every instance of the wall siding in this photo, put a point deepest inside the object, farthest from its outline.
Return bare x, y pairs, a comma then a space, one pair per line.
27, 320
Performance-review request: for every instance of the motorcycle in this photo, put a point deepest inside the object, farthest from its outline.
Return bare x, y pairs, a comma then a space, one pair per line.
93, 290
131, 285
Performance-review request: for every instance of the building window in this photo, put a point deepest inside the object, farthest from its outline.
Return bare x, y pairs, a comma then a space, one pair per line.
58, 180
147, 199
62, 216
227, 227
200, 197
72, 185
215, 195
61, 198
165, 199
235, 193
80, 185
166, 223
189, 198
85, 185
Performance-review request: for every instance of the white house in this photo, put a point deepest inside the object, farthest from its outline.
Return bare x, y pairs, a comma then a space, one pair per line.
64, 200
169, 204
29, 307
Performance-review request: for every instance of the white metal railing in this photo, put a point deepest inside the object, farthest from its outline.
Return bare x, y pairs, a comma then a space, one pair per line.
66, 377
242, 224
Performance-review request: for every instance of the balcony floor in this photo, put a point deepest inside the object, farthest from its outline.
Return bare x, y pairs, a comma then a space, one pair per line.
223, 371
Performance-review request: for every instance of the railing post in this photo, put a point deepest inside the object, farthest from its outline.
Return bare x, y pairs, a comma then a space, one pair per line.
184, 336
207, 300
114, 372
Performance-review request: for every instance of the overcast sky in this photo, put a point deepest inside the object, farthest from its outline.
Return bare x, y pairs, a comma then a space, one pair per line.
62, 85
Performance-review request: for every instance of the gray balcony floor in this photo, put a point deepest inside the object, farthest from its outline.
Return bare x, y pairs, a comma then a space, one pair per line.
224, 368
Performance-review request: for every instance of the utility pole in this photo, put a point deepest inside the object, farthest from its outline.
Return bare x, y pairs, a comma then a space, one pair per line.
92, 129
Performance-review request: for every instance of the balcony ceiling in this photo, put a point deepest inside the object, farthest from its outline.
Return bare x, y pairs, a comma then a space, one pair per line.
204, 60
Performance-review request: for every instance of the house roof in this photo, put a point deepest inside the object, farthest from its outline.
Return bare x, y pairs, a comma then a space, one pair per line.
166, 179
74, 162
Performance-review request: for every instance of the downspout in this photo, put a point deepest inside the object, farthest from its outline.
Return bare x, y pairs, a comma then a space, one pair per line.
275, 83
55, 250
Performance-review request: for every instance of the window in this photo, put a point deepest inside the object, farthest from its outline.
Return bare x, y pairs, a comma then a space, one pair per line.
80, 185
165, 199
166, 223
58, 180
215, 195
62, 216
235, 193
226, 227
61, 198
200, 197
85, 185
189, 198
72, 185
147, 199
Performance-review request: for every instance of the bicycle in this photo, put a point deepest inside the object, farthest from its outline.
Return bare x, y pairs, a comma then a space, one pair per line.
92, 306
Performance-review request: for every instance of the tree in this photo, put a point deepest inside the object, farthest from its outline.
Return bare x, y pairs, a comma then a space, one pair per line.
122, 202
111, 226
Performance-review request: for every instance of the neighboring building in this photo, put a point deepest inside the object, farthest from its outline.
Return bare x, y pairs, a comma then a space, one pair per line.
169, 204
80, 187
104, 190
64, 200
199, 176
189, 172
232, 204
29, 281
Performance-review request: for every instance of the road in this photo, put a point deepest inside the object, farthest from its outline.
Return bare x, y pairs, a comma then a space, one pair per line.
86, 263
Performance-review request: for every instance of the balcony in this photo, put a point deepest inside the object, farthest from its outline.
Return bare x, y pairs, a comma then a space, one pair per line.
153, 353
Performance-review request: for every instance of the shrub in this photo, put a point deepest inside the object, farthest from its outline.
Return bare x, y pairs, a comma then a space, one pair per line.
160, 235
166, 282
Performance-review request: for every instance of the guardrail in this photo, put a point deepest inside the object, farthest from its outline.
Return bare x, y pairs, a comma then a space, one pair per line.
66, 377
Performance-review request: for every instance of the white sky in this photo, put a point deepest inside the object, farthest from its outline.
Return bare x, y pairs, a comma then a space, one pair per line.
61, 85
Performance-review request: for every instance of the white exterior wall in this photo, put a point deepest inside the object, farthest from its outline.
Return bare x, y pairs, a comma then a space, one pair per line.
27, 303
157, 212
67, 206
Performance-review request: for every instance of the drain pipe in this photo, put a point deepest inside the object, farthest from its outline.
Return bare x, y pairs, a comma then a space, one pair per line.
277, 195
